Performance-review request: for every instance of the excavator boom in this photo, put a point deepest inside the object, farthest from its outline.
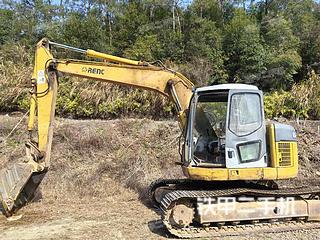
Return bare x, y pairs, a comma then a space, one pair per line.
19, 182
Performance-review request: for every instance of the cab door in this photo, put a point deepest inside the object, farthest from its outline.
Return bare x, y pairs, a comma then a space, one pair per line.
245, 145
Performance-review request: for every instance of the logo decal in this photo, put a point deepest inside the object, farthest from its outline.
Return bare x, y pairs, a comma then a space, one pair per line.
93, 70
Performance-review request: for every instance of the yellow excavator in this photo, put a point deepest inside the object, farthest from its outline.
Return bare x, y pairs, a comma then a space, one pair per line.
231, 158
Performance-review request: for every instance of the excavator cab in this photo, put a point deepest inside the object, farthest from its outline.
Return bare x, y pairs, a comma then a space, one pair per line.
226, 127
227, 137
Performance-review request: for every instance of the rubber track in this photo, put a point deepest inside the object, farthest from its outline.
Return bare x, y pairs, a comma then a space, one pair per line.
191, 232
160, 183
184, 184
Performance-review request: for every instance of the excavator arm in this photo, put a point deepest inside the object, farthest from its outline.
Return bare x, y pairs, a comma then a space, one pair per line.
19, 182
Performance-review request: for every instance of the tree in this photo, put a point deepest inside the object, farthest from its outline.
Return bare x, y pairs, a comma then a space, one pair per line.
303, 16
283, 59
7, 31
210, 10
127, 25
145, 48
305, 25
244, 49
85, 31
203, 44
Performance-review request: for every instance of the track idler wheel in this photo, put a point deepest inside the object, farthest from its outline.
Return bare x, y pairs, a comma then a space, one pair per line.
182, 215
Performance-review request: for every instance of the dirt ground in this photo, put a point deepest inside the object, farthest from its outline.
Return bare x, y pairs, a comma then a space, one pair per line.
100, 170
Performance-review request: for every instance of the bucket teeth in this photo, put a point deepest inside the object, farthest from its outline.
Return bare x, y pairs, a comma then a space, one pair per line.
17, 185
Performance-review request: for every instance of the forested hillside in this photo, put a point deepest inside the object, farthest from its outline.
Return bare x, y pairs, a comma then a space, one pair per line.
274, 44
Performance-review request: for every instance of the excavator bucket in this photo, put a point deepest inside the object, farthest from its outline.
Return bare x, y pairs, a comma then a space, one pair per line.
18, 183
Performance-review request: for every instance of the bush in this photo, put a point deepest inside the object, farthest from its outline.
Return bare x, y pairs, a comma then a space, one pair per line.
89, 99
303, 101
279, 104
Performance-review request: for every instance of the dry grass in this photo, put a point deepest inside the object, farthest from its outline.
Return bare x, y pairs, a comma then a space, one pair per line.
101, 158
15, 73
306, 94
104, 166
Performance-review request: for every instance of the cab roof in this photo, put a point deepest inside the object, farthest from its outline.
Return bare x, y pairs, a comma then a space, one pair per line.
228, 86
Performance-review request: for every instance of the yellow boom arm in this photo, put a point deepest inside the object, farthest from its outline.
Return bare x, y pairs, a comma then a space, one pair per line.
21, 180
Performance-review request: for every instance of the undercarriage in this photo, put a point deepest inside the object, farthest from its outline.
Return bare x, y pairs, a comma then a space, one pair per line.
192, 208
